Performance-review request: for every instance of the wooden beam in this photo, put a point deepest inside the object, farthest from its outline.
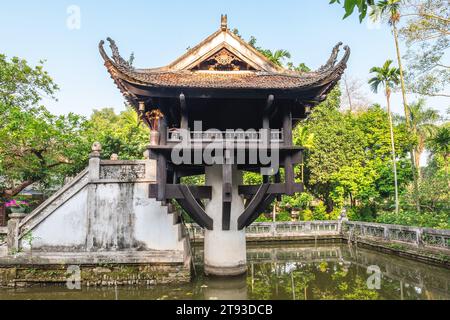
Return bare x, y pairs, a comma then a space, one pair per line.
261, 208
194, 209
253, 206
173, 192
276, 189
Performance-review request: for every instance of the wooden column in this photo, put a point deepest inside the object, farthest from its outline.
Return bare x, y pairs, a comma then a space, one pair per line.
287, 126
161, 177
184, 122
266, 114
289, 175
163, 132
277, 179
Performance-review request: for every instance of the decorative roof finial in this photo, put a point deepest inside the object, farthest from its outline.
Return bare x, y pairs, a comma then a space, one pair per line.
224, 22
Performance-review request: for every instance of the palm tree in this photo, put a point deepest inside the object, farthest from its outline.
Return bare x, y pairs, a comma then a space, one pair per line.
440, 144
276, 57
390, 10
423, 122
388, 77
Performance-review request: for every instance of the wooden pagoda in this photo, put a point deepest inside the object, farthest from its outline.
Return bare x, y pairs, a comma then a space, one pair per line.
227, 85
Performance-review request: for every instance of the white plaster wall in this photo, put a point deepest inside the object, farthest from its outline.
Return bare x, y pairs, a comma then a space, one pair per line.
108, 217
66, 227
154, 226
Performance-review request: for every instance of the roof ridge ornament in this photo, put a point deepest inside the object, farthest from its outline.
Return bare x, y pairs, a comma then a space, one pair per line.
116, 55
224, 22
333, 58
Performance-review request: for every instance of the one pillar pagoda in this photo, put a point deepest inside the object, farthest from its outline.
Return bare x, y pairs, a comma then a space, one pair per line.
224, 109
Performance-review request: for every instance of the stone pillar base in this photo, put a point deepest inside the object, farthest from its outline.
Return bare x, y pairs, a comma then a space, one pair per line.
225, 271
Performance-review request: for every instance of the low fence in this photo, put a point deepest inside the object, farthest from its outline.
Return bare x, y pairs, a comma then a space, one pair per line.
420, 237
279, 230
353, 231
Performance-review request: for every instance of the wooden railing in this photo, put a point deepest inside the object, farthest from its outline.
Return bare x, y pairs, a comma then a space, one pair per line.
226, 136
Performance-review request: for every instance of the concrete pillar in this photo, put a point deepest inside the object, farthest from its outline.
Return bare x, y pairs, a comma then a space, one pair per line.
226, 289
94, 162
94, 175
12, 239
225, 251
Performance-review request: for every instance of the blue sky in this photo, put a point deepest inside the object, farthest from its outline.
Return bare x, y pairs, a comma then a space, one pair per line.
160, 31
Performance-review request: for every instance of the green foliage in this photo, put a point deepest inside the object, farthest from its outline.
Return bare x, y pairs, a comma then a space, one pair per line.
263, 218
426, 33
123, 134
29, 239
440, 220
307, 215
297, 202
320, 212
284, 217
22, 85
351, 5
36, 146
386, 76
251, 178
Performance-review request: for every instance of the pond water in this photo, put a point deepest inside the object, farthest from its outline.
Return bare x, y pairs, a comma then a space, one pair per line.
299, 272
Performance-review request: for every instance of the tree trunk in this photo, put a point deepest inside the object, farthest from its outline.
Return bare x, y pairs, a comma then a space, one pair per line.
394, 158
446, 170
407, 117
2, 215
348, 94
402, 79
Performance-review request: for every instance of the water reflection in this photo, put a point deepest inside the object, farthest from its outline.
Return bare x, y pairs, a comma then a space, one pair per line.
288, 273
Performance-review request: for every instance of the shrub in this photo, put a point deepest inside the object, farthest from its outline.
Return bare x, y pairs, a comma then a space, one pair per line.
439, 220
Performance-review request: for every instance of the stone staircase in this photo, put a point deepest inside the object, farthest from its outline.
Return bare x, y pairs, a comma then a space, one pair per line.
63, 195
104, 211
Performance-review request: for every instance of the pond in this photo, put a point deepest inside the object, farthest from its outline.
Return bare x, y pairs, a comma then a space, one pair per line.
299, 272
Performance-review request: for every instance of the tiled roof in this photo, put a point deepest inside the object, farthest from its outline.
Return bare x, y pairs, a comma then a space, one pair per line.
330, 73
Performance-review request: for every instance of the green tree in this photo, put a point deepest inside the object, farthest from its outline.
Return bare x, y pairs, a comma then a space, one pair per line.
440, 146
38, 147
427, 31
388, 77
123, 134
337, 142
23, 85
423, 122
390, 10
278, 57
35, 146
